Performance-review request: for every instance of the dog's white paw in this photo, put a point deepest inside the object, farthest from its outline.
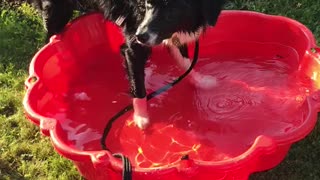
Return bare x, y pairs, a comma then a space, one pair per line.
203, 81
141, 121
140, 115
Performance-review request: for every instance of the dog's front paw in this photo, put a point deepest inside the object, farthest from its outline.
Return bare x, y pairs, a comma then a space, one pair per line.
140, 115
203, 81
141, 121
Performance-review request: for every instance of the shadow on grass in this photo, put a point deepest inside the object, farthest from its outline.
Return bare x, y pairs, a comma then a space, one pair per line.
7, 172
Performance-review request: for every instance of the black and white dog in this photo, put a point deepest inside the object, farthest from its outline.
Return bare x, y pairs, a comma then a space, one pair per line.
145, 23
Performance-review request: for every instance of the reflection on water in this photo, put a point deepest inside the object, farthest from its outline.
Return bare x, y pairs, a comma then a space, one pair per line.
80, 134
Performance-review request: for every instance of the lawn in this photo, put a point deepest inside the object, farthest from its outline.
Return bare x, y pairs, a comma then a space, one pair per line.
26, 154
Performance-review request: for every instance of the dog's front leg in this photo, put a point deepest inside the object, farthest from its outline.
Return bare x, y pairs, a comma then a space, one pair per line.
55, 14
136, 56
180, 54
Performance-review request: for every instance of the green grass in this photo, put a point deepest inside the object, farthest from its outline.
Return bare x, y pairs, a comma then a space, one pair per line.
25, 154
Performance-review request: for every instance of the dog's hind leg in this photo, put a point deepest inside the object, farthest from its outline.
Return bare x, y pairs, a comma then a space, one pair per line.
136, 56
55, 14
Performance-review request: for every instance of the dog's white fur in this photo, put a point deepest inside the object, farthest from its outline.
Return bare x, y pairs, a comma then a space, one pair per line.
140, 106
140, 115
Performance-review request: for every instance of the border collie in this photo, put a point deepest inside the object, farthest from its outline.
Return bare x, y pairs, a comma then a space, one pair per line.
144, 23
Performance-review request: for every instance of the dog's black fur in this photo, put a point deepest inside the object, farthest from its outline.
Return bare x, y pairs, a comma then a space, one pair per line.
165, 18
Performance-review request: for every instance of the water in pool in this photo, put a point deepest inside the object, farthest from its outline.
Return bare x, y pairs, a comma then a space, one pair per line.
256, 94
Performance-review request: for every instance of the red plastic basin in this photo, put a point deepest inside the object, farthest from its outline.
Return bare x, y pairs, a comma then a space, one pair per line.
267, 98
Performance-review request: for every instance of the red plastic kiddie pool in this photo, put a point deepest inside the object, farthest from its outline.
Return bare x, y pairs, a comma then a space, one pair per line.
267, 98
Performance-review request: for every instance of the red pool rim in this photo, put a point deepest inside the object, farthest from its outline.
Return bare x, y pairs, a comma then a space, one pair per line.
262, 145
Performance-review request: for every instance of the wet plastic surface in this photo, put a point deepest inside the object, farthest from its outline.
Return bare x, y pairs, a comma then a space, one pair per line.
267, 98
